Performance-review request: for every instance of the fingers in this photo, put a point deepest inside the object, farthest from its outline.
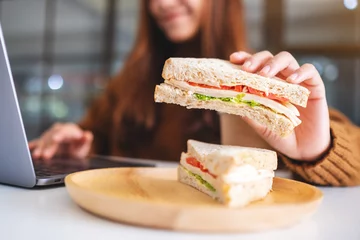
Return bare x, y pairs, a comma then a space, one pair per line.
309, 77
32, 144
285, 66
48, 144
79, 148
306, 73
283, 63
257, 61
66, 133
239, 57
49, 151
37, 150
40, 150
83, 148
86, 139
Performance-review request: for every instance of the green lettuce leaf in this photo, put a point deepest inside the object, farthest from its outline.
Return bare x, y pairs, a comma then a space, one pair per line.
237, 99
201, 180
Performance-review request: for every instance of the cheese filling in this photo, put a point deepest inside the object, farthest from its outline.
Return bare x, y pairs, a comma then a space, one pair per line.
247, 173
289, 110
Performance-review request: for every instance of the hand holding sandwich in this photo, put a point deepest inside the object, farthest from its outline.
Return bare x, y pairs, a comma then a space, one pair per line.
311, 138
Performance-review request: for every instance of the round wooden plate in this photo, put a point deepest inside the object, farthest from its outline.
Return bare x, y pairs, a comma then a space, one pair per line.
153, 197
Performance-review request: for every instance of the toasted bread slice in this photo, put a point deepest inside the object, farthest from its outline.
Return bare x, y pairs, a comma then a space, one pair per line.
220, 159
216, 72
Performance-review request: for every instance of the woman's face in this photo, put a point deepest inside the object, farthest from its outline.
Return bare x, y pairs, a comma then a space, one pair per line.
179, 19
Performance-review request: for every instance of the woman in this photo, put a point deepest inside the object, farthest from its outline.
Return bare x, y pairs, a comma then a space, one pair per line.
126, 121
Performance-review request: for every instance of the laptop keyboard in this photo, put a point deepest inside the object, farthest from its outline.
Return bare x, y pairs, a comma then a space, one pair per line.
63, 166
43, 169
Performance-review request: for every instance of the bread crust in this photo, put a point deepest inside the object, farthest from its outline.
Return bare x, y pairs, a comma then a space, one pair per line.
231, 156
216, 72
277, 123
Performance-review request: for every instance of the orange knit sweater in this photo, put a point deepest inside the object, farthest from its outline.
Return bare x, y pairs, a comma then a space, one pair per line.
340, 166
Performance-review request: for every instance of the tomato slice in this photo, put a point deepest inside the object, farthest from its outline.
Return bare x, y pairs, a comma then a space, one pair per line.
270, 95
278, 98
239, 88
256, 92
193, 162
193, 84
227, 87
202, 85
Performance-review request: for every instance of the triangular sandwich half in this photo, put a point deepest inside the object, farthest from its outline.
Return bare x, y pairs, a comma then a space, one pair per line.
234, 176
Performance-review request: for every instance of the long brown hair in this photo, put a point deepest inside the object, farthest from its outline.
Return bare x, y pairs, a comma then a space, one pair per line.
221, 33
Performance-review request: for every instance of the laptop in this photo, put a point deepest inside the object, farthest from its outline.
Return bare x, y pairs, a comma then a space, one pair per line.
16, 165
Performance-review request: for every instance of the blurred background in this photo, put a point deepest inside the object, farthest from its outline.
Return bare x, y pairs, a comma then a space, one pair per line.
63, 51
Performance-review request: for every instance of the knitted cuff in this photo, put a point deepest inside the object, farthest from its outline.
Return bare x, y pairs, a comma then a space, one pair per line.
336, 168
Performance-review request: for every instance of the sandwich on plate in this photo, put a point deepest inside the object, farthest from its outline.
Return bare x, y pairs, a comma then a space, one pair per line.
234, 176
222, 86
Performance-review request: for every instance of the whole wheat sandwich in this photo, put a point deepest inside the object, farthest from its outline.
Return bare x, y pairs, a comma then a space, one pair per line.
234, 176
215, 84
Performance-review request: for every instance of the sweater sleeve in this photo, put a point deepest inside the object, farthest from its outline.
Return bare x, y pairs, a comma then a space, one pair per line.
340, 166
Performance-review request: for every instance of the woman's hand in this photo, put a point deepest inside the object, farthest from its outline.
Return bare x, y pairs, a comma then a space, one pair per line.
312, 137
66, 139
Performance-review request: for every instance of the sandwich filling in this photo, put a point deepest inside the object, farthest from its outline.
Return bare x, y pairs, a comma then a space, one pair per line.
240, 95
237, 175
200, 180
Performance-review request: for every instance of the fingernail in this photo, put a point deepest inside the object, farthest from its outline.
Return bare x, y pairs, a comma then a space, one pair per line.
293, 77
265, 70
247, 64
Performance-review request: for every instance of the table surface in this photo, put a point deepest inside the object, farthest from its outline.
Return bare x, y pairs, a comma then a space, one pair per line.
51, 214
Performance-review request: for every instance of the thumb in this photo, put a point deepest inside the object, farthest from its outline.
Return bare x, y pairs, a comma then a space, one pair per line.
286, 145
264, 132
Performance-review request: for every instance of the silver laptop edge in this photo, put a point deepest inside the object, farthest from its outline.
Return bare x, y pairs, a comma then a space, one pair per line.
16, 165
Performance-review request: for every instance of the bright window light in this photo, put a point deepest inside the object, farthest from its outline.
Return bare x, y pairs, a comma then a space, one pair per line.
350, 4
55, 82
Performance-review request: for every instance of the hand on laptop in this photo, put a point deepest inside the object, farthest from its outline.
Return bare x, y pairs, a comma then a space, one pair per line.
62, 139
